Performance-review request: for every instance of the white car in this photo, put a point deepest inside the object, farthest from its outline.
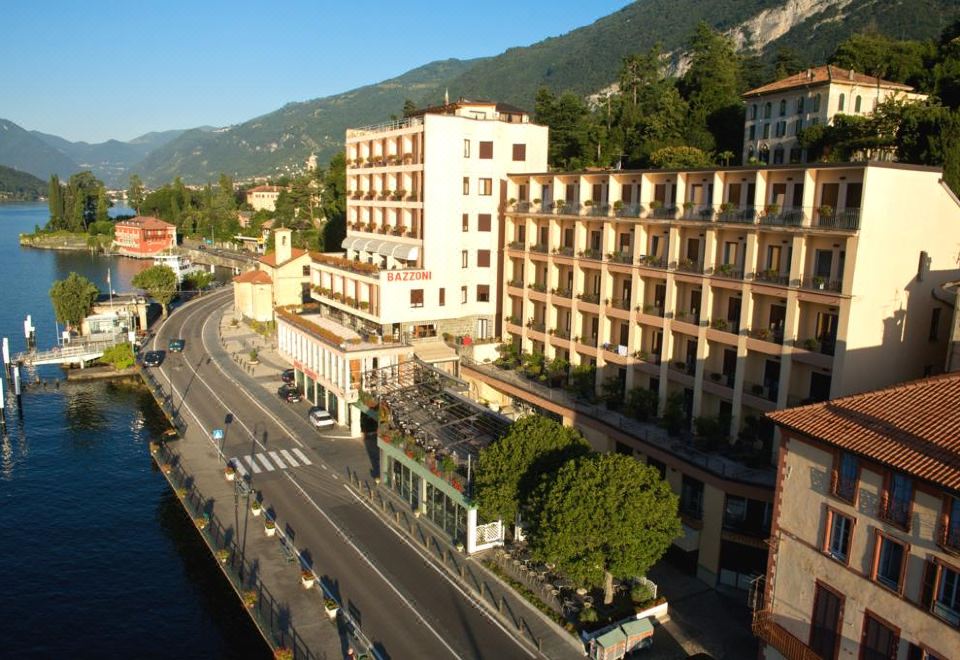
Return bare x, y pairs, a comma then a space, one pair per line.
321, 419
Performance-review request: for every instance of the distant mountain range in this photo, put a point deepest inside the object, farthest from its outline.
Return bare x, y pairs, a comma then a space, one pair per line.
584, 60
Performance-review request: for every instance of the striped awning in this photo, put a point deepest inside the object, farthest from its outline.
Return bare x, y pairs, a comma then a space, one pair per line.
394, 249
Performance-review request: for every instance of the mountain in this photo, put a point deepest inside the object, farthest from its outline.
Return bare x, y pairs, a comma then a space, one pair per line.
24, 151
18, 185
111, 161
279, 142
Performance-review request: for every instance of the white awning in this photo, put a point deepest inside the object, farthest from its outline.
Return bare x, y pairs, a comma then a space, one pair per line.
351, 242
393, 249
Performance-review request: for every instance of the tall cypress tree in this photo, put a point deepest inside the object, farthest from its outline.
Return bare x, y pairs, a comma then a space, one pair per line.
55, 203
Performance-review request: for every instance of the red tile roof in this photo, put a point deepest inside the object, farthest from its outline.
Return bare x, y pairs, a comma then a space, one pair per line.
270, 258
822, 75
913, 427
254, 277
145, 222
271, 189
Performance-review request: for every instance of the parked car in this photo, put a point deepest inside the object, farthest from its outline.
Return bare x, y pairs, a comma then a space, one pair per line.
320, 418
176, 345
287, 376
289, 393
153, 358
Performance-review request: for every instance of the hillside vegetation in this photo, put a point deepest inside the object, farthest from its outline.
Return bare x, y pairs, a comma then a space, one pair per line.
20, 186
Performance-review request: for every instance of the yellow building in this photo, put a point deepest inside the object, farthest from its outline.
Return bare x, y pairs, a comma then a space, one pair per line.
777, 112
282, 278
865, 549
263, 198
734, 291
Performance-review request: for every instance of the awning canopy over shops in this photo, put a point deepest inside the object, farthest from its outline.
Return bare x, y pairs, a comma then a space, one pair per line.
394, 249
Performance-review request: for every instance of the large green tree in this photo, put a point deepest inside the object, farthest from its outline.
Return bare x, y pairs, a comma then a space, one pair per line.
605, 516
510, 469
73, 299
55, 203
135, 193
333, 201
160, 282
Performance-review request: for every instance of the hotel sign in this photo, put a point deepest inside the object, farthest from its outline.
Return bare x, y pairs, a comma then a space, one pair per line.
409, 276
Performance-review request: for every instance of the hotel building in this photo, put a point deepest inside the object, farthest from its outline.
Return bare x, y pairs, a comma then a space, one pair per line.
865, 550
737, 291
423, 234
779, 111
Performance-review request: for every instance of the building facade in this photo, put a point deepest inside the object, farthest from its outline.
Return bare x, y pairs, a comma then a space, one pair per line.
143, 236
776, 113
865, 550
281, 279
736, 291
263, 198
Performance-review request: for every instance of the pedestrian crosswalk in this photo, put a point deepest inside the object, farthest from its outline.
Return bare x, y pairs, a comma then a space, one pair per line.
269, 461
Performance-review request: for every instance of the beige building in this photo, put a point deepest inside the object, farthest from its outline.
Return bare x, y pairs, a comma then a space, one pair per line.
736, 291
865, 549
420, 258
777, 112
263, 197
281, 278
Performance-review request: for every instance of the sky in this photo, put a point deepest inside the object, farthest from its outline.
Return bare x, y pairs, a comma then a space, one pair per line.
104, 69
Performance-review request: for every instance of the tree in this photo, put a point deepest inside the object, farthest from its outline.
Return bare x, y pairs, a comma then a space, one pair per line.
510, 469
787, 61
879, 55
333, 199
409, 108
73, 299
605, 516
197, 280
55, 203
135, 193
160, 282
679, 158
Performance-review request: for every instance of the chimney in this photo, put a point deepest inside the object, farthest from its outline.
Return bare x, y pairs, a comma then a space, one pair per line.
283, 237
850, 74
809, 74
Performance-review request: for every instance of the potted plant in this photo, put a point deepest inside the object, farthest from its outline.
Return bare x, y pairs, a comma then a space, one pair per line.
249, 598
810, 344
771, 209
230, 473
223, 555
762, 333
826, 212
200, 522
330, 606
307, 578
459, 546
256, 508
819, 282
269, 527
719, 324
181, 493
283, 653
618, 205
656, 205
254, 355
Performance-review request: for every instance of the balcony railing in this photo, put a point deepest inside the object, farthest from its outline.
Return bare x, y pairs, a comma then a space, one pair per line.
822, 284
567, 208
663, 213
597, 209
521, 207
726, 325
652, 261
830, 218
772, 277
780, 638
628, 211
542, 248
560, 334
729, 271
591, 253
690, 266
702, 212
513, 320
536, 326
787, 217
623, 303
517, 245
620, 257
562, 293
517, 284
745, 215
592, 298
538, 287
564, 251
824, 346
767, 334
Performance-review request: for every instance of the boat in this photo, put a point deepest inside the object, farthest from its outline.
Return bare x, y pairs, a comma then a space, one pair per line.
178, 263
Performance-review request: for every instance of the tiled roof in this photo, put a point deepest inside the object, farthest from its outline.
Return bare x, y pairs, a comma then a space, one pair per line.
253, 277
271, 189
145, 222
824, 74
270, 258
913, 428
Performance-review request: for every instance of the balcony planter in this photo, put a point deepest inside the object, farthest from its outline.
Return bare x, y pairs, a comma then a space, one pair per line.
249, 598
307, 579
719, 324
200, 522
223, 555
331, 607
283, 653
819, 283
810, 344
256, 508
269, 527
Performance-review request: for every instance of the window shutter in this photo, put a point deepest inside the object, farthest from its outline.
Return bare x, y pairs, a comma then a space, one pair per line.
928, 585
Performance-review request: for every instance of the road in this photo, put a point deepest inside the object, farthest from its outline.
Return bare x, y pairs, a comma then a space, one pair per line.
404, 603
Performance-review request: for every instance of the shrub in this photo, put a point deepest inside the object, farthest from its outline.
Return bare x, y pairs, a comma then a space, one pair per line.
119, 357
588, 615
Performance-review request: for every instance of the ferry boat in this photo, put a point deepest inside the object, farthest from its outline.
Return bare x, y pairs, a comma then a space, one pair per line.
179, 264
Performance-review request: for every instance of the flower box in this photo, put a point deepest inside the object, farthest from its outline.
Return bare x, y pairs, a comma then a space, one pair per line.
256, 508
269, 527
331, 607
307, 579
229, 473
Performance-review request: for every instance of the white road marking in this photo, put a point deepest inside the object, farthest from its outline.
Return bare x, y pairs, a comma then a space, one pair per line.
302, 456
253, 464
263, 459
290, 459
238, 466
276, 459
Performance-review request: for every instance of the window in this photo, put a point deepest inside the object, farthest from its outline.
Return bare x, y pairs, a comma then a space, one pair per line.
897, 500
691, 497
483, 258
950, 531
483, 222
659, 466
946, 603
443, 297
856, 104
800, 106
483, 293
464, 259
766, 131
463, 295
841, 102
305, 271
486, 187
915, 652
816, 103
416, 297
466, 222
934, 324
466, 148
752, 132
879, 641
519, 152
753, 111
825, 622
889, 562
486, 150
797, 126
783, 107
846, 473
838, 533
767, 110
466, 185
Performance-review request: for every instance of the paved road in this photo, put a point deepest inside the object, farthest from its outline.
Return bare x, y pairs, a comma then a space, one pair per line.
404, 604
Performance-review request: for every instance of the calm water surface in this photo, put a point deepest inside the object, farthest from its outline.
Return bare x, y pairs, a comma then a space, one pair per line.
98, 558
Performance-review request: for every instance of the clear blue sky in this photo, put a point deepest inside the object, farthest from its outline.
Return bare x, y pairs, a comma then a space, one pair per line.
117, 69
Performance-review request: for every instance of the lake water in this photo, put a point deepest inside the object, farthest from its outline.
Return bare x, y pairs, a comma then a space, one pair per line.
98, 558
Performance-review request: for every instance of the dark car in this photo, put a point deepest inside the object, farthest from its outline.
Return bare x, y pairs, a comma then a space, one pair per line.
153, 358
288, 375
289, 393
176, 345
